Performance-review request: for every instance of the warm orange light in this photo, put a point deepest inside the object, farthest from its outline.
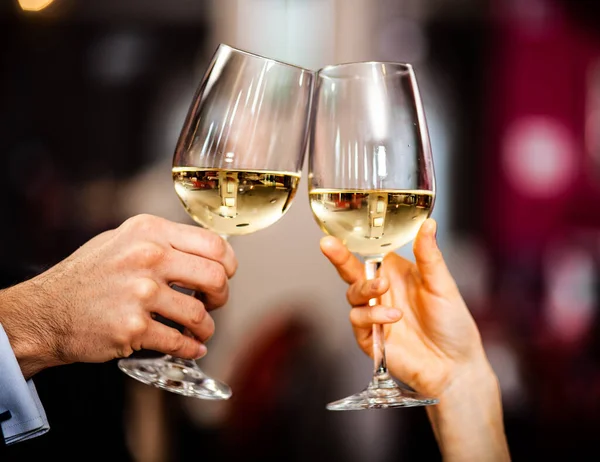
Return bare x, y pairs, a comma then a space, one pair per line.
34, 5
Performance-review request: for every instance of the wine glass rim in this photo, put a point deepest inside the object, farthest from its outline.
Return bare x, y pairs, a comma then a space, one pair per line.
323, 72
265, 58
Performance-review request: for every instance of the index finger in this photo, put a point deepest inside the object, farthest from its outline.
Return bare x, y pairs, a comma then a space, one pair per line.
347, 265
203, 243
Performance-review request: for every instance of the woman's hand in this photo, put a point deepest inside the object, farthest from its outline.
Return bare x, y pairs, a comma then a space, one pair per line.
430, 336
432, 344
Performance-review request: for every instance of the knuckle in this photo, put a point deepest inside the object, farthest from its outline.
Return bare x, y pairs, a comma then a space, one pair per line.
124, 351
210, 330
217, 277
122, 340
148, 254
136, 345
218, 247
141, 224
145, 290
223, 296
199, 314
133, 327
176, 342
128, 334
141, 254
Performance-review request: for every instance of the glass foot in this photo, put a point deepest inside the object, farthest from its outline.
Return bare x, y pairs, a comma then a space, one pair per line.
180, 376
381, 394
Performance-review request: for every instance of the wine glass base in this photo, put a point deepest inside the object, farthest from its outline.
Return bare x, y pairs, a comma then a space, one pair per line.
179, 376
381, 394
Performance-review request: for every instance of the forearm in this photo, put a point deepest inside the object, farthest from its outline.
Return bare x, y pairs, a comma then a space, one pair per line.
468, 422
22, 315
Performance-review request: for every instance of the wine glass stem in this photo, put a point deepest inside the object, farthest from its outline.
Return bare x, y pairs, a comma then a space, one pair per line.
380, 372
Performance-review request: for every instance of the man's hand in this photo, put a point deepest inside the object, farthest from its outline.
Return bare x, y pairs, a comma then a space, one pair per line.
98, 304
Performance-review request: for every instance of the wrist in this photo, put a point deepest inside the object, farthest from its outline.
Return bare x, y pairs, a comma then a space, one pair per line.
30, 340
468, 421
477, 377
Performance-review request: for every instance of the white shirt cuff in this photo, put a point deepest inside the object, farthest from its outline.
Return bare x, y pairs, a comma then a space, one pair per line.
28, 418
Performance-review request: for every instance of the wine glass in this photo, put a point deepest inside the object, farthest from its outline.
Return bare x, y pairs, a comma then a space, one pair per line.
371, 182
236, 170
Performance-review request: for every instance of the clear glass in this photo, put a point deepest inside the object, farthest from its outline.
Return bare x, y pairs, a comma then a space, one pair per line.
236, 169
372, 183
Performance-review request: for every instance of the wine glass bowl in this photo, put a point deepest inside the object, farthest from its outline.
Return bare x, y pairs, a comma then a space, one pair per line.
237, 164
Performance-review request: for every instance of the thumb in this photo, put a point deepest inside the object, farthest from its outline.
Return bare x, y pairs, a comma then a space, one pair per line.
430, 262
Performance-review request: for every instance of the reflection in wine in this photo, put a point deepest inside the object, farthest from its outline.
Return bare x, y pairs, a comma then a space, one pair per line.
371, 223
235, 202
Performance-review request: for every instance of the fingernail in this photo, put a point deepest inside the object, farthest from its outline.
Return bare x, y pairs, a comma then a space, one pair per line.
393, 313
376, 284
202, 350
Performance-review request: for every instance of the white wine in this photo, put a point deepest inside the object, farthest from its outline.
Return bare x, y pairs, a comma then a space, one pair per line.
371, 223
235, 202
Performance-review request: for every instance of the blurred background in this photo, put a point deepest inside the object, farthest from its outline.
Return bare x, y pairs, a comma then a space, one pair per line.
93, 94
